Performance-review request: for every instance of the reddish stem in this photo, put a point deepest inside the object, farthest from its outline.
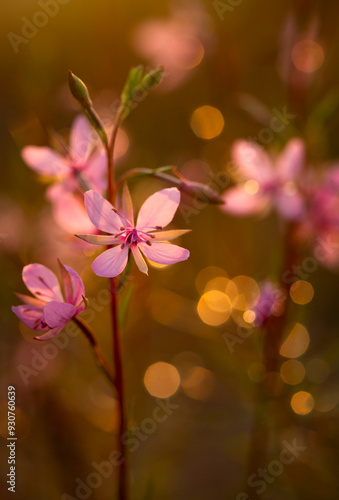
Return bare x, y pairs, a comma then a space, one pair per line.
117, 356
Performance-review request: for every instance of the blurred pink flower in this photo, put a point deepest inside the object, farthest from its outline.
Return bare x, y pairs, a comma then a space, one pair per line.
271, 303
320, 226
267, 182
178, 43
81, 168
48, 310
146, 235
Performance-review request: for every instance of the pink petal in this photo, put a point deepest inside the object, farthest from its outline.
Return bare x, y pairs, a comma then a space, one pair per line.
45, 161
42, 282
73, 285
164, 253
49, 334
290, 206
27, 299
95, 171
101, 213
139, 260
240, 203
111, 262
82, 139
252, 161
159, 209
99, 239
291, 160
127, 205
332, 175
58, 313
169, 235
30, 316
77, 285
70, 214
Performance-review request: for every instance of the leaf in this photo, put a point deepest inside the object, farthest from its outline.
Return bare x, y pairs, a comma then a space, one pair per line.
137, 87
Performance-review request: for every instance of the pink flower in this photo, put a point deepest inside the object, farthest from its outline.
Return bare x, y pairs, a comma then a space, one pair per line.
80, 164
178, 42
145, 236
320, 226
82, 167
271, 303
49, 310
266, 182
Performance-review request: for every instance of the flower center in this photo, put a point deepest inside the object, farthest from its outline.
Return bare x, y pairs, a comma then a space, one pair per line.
133, 236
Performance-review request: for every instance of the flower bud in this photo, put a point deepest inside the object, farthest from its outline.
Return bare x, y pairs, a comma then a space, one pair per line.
79, 90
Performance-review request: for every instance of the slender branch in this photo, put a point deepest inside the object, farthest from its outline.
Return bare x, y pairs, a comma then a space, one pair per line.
122, 486
85, 328
266, 390
117, 356
110, 159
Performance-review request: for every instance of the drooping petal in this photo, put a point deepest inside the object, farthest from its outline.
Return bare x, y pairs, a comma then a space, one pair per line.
240, 203
58, 313
164, 253
82, 139
252, 161
49, 334
139, 260
45, 161
73, 285
291, 160
159, 208
111, 262
289, 206
77, 286
95, 171
42, 282
31, 316
168, 235
99, 239
101, 213
127, 205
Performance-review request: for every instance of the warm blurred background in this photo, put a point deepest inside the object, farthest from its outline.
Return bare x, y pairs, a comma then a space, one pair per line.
226, 68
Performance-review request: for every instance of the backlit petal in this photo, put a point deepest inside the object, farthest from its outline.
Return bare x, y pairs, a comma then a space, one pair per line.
50, 333
98, 239
45, 161
291, 160
127, 205
30, 316
111, 262
240, 203
168, 235
290, 206
101, 213
164, 253
139, 260
58, 313
82, 139
159, 208
252, 161
42, 282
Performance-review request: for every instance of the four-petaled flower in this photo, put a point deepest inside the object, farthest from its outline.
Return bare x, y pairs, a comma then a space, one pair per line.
267, 183
49, 311
145, 236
